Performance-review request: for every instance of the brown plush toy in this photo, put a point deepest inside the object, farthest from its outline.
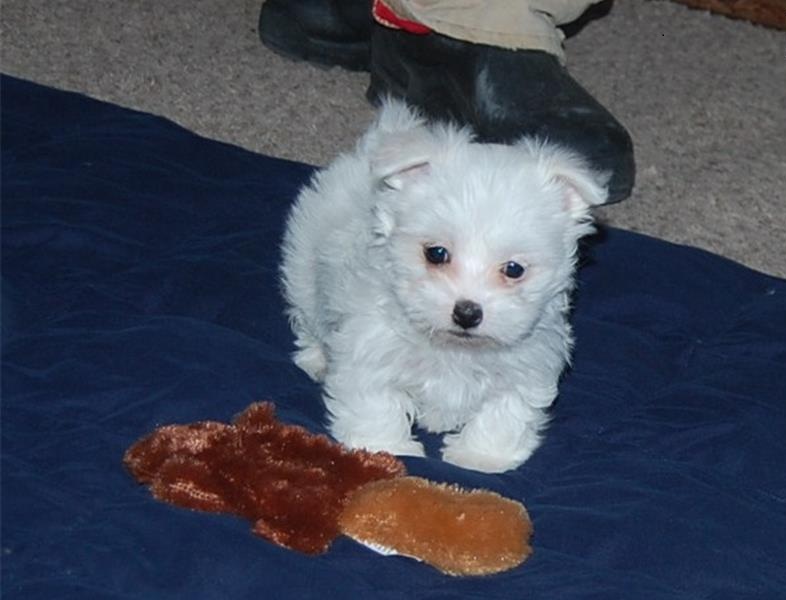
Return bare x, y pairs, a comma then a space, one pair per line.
302, 490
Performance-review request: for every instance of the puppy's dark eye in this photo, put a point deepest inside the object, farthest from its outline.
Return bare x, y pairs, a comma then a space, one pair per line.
436, 255
513, 270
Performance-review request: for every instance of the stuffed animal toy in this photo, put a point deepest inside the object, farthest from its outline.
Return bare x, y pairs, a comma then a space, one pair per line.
302, 490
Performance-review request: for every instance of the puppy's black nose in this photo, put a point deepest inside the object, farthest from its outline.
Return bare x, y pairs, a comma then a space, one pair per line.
467, 314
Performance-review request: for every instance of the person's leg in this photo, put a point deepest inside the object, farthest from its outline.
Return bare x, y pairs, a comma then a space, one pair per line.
506, 80
338, 32
511, 24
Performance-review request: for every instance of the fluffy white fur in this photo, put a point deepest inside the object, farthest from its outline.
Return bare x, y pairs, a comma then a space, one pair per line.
373, 318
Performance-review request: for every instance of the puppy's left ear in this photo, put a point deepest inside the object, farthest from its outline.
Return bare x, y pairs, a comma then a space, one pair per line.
580, 186
402, 156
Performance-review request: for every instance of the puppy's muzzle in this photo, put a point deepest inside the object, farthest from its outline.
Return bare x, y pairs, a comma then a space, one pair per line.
467, 314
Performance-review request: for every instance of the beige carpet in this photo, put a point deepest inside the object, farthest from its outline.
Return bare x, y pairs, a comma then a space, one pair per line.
703, 96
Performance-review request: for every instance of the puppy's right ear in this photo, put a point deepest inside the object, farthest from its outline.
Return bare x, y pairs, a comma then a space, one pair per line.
580, 186
401, 157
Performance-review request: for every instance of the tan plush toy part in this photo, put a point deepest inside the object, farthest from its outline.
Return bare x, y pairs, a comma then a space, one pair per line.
302, 490
457, 531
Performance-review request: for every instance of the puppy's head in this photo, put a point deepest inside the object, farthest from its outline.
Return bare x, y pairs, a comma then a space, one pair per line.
480, 239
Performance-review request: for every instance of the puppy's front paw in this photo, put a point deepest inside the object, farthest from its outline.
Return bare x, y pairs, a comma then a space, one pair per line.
410, 448
457, 452
399, 447
403, 448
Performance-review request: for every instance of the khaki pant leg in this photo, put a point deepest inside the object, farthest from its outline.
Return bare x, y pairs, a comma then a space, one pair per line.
515, 24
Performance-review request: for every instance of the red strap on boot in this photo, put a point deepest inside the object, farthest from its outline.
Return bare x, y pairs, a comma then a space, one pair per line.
385, 16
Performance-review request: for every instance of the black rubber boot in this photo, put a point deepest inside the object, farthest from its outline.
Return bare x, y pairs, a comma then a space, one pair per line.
503, 94
330, 32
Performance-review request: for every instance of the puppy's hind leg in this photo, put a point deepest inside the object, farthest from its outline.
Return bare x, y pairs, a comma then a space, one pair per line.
310, 355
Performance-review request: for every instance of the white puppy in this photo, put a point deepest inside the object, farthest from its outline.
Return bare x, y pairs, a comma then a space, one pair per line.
428, 280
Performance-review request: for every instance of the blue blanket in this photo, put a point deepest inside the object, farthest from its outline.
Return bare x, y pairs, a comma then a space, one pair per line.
139, 288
